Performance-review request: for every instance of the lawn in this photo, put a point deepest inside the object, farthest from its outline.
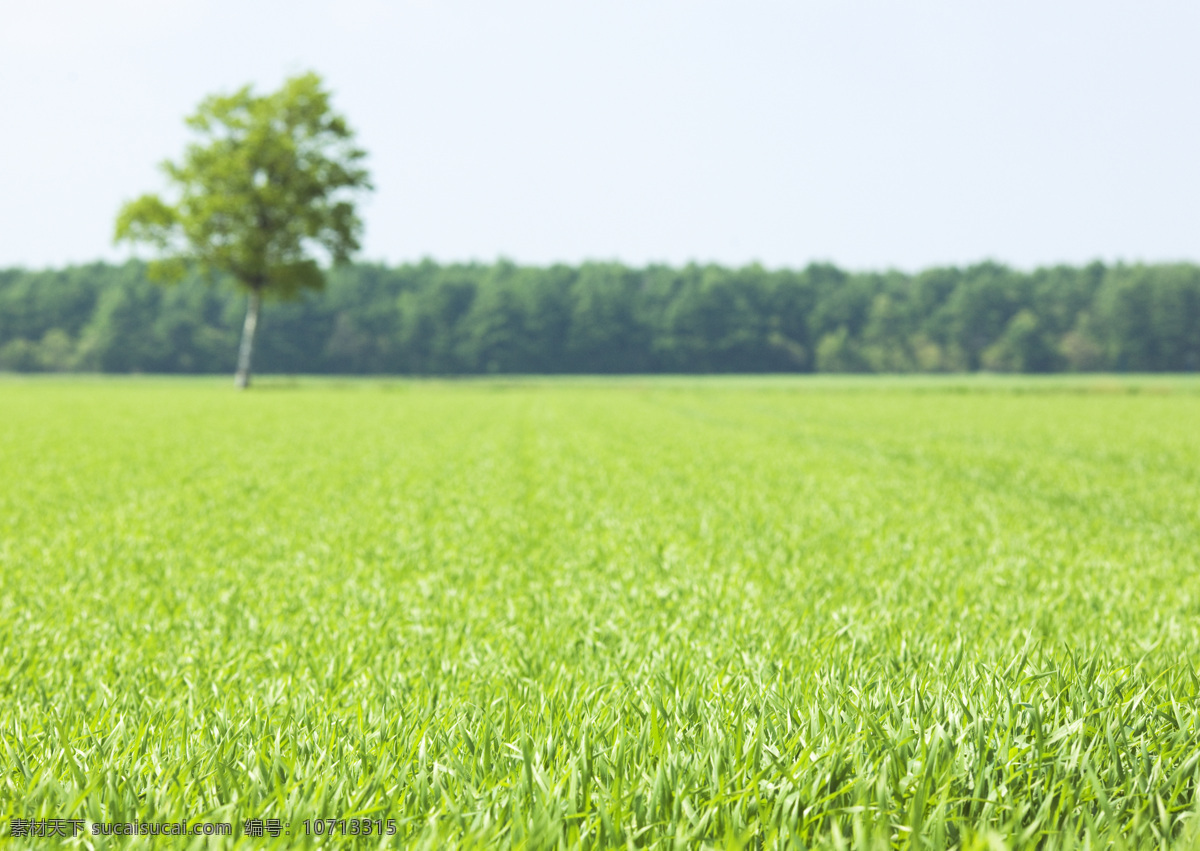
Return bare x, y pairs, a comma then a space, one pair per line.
604, 613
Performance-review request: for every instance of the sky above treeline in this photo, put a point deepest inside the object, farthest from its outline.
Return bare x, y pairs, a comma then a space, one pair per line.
895, 133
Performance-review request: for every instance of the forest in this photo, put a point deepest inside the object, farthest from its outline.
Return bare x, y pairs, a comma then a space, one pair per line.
460, 319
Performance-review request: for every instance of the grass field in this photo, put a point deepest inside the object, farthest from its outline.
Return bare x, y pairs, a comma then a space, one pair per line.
648, 613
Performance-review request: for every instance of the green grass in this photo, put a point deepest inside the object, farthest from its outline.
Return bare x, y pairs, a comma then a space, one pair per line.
648, 613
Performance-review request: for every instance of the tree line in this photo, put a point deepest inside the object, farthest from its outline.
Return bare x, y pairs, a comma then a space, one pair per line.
458, 319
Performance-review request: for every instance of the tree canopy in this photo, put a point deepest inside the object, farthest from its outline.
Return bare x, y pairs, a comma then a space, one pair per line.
431, 319
264, 194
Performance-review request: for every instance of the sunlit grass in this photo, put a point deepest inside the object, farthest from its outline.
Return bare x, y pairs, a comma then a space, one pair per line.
656, 613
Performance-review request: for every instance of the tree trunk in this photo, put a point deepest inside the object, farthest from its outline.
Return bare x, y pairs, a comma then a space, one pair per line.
242, 380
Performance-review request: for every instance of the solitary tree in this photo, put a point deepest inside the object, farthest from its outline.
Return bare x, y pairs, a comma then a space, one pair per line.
270, 183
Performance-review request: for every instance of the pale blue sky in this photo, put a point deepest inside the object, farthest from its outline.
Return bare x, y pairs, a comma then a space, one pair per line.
872, 134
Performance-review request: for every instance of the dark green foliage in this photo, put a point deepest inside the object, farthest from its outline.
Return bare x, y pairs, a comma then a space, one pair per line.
430, 319
1152, 314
